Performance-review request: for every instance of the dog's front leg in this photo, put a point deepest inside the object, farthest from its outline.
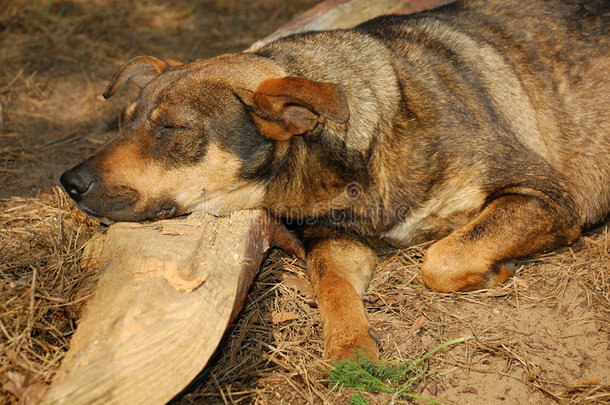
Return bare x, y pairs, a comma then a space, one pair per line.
509, 227
340, 268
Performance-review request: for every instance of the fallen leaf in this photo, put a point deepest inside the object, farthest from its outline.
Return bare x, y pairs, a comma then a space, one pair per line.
417, 324
296, 283
27, 390
592, 381
520, 283
279, 317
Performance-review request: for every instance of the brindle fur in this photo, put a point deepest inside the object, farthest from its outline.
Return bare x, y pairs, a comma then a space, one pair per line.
485, 124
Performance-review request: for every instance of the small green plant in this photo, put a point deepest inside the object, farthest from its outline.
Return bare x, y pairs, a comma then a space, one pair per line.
48, 13
394, 377
60, 14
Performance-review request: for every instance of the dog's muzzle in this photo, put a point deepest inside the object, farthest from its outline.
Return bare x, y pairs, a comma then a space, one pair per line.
78, 181
111, 202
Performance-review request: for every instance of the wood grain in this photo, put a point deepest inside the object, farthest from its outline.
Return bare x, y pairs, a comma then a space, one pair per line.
167, 294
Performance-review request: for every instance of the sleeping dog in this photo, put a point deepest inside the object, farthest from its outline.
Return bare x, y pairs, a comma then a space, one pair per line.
483, 125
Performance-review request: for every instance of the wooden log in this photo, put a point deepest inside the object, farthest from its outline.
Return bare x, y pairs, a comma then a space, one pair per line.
168, 292
336, 14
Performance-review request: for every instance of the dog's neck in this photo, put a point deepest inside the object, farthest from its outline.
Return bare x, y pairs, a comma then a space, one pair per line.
334, 170
318, 176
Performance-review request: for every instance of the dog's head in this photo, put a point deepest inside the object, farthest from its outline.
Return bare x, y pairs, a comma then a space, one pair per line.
205, 133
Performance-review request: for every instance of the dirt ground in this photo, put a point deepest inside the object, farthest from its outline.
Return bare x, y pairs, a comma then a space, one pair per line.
543, 337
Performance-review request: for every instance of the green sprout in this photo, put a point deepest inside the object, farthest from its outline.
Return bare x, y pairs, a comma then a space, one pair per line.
394, 377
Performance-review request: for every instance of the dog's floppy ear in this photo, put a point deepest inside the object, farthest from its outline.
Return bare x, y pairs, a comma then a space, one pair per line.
140, 70
291, 106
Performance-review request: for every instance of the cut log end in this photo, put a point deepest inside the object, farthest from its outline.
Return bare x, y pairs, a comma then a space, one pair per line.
167, 293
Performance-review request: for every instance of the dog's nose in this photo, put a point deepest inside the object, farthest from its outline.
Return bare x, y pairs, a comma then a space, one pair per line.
77, 181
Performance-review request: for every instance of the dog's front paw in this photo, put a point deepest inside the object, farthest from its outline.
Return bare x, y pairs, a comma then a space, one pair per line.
353, 345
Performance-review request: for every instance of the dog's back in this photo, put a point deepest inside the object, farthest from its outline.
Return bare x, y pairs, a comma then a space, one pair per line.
539, 71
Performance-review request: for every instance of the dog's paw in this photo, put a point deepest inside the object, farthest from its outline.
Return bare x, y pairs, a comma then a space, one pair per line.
287, 241
502, 272
448, 268
365, 344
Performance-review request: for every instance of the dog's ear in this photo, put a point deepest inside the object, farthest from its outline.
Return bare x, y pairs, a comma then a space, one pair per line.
140, 70
291, 106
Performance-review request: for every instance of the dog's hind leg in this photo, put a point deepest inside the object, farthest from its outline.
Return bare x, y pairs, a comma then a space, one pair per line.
340, 268
511, 226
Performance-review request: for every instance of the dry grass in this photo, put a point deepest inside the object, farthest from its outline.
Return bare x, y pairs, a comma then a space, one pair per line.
42, 286
542, 337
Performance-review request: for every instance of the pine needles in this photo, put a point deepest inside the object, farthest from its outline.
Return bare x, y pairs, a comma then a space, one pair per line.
394, 377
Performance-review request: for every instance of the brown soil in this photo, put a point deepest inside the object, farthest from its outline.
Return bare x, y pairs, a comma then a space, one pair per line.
543, 337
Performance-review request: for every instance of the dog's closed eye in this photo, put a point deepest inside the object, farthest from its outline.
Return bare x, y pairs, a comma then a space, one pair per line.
163, 130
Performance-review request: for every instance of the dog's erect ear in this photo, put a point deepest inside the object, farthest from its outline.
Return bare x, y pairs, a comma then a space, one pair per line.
140, 70
291, 106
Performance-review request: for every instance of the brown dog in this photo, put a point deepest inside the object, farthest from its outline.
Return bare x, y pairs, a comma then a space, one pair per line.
484, 124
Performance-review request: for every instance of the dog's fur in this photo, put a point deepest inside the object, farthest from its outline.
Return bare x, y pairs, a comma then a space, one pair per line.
484, 124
